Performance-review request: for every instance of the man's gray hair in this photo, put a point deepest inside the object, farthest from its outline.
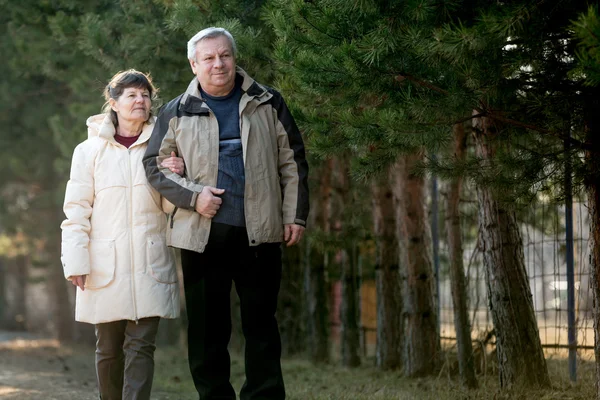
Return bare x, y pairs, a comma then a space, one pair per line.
209, 33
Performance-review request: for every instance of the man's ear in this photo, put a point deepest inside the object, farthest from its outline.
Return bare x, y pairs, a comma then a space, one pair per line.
193, 65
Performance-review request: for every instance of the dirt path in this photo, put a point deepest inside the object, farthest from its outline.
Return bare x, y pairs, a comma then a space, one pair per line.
34, 368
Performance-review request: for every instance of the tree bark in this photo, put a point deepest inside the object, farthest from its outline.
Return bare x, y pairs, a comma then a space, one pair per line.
3, 262
592, 158
521, 359
462, 323
388, 280
593, 192
63, 309
422, 340
315, 286
16, 286
291, 304
315, 281
350, 280
349, 311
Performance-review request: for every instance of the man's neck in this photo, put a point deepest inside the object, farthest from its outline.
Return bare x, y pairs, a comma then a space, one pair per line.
218, 91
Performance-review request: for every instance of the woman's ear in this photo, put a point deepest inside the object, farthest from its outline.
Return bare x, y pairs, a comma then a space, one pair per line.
113, 104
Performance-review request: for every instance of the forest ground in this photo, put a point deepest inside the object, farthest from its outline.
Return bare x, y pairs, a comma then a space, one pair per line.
33, 368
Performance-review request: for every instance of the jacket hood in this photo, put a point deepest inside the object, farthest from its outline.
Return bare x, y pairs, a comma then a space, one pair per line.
101, 125
94, 124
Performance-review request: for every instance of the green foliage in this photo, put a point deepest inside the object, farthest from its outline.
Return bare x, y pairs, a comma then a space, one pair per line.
59, 56
379, 79
587, 33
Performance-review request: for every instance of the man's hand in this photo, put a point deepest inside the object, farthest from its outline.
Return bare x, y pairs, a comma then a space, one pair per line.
79, 281
174, 163
207, 203
292, 233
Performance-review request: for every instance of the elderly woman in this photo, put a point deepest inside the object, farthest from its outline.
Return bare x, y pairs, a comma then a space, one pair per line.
113, 240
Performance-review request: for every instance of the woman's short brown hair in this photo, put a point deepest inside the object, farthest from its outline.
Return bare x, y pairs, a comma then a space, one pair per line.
123, 80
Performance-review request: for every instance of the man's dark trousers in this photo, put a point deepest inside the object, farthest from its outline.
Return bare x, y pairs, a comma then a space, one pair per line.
208, 276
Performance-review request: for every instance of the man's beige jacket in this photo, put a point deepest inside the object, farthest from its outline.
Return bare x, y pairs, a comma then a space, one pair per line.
276, 187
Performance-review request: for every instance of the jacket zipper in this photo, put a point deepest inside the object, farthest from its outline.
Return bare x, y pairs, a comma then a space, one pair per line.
135, 314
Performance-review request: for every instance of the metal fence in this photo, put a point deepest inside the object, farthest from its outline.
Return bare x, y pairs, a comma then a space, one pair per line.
556, 251
546, 262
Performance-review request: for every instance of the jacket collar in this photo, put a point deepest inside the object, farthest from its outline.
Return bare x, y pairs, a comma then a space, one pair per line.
192, 101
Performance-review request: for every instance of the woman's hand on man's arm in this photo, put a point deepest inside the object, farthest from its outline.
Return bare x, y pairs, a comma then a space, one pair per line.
174, 163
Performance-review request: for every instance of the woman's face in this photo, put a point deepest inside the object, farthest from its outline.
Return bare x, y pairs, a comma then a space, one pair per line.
133, 105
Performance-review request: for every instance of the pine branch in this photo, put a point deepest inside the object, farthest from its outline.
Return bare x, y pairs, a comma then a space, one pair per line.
583, 146
317, 29
400, 77
465, 119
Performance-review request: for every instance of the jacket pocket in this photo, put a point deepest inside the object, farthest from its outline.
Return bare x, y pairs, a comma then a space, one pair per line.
160, 260
102, 263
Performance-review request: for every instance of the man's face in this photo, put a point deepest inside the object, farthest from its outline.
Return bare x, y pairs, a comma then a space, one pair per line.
214, 65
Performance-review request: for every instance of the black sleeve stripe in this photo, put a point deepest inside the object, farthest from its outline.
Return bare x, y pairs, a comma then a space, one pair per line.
297, 146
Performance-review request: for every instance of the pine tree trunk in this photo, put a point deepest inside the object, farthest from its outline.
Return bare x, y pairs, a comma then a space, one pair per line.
388, 280
422, 341
593, 192
350, 281
61, 291
290, 306
315, 287
349, 312
315, 282
59, 287
3, 263
16, 287
520, 356
462, 323
592, 136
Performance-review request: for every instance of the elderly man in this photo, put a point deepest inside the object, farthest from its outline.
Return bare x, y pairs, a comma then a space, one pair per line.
243, 193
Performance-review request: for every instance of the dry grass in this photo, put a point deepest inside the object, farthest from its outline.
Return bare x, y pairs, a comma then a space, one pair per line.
30, 368
305, 381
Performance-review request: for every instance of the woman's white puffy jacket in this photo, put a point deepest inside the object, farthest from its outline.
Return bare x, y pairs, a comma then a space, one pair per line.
115, 232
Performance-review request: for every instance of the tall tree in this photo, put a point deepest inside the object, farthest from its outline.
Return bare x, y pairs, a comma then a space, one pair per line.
587, 33
401, 73
291, 304
350, 275
315, 272
29, 187
513, 62
388, 279
330, 53
15, 314
462, 323
421, 334
520, 355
